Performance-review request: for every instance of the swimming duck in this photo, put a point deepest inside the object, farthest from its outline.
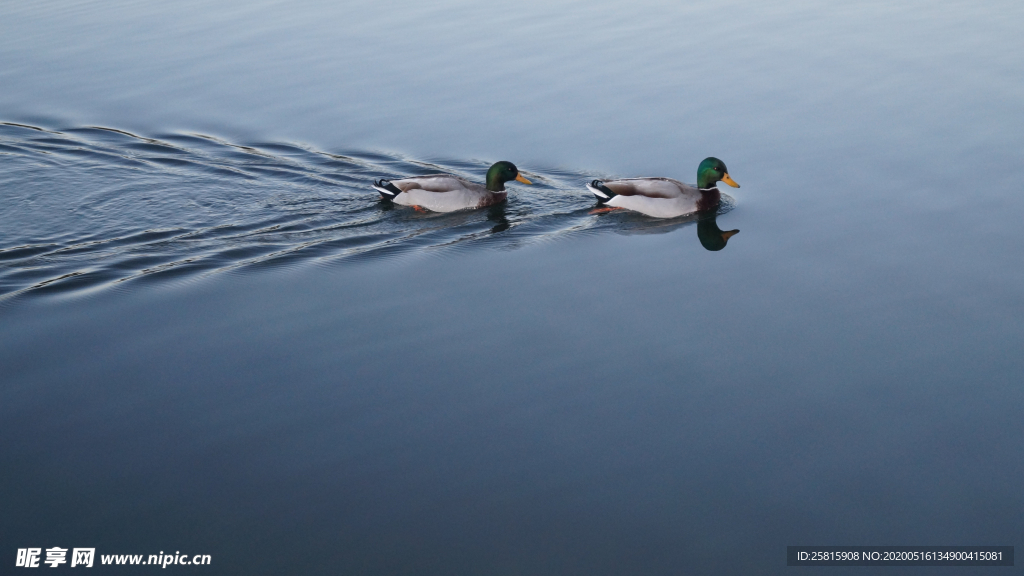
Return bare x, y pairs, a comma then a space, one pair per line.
447, 193
665, 197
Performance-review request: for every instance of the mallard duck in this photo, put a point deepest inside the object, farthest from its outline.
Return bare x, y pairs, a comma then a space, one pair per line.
447, 193
665, 197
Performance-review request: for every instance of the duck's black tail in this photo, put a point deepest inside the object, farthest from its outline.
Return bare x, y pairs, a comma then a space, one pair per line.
603, 193
387, 190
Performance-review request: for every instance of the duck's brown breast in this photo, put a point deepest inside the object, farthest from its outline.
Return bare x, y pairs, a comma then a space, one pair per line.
709, 200
492, 198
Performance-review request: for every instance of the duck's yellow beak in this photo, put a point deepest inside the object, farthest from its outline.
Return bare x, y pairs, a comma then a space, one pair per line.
521, 178
728, 180
729, 234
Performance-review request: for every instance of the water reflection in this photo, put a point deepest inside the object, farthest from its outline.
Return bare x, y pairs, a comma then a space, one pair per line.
711, 236
496, 214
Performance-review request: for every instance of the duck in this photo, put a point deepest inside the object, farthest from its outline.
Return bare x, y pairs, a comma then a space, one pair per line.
665, 197
448, 193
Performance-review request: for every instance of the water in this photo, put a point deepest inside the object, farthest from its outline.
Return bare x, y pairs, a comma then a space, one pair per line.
216, 340
182, 205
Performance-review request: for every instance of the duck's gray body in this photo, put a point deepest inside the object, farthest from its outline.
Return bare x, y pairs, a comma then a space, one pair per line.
657, 197
440, 193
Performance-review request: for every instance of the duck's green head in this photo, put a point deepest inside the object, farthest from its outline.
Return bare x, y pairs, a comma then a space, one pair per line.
503, 172
711, 171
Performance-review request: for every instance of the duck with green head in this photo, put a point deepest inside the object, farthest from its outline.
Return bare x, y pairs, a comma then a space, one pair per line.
447, 193
665, 197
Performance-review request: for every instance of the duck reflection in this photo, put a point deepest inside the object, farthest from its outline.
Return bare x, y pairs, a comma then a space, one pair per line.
711, 236
474, 225
497, 215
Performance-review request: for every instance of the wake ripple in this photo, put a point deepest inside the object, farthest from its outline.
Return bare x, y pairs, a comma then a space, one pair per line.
93, 207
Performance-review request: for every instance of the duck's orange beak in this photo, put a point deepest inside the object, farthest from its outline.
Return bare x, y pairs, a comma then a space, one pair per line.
521, 178
728, 180
729, 234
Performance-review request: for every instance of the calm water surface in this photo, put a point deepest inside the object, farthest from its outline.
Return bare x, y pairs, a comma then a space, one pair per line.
214, 339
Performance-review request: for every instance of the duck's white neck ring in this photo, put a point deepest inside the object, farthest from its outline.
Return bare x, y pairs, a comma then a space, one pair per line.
708, 189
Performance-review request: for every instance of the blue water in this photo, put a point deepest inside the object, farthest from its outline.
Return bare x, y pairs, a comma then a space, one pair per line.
184, 205
215, 339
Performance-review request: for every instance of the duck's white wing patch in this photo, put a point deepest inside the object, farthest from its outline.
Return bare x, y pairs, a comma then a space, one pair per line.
440, 201
651, 187
656, 207
437, 183
597, 192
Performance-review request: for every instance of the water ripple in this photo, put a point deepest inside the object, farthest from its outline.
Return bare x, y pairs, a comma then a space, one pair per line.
94, 206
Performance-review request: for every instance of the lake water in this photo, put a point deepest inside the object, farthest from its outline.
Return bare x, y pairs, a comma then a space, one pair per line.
214, 338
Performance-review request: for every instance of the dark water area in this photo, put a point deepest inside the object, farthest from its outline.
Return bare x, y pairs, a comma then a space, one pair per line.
215, 339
